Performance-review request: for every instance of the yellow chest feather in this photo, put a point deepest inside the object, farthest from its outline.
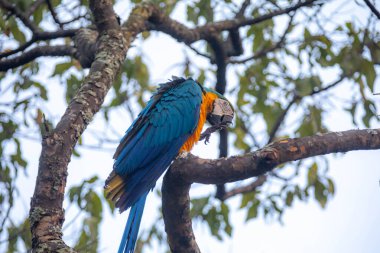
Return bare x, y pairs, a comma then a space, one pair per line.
206, 107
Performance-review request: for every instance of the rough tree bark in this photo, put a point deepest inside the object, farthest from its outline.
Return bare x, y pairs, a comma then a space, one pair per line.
46, 213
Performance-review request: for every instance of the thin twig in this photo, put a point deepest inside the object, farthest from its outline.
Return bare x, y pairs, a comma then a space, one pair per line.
280, 119
39, 36
74, 19
259, 181
19, 49
201, 54
340, 79
373, 9
34, 53
53, 13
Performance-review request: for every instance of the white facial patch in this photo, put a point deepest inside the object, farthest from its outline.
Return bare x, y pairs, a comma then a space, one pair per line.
222, 107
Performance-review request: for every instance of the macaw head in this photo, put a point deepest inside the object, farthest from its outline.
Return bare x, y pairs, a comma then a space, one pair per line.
219, 116
222, 112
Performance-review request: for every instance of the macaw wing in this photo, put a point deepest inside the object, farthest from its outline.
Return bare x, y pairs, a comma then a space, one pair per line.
137, 126
155, 138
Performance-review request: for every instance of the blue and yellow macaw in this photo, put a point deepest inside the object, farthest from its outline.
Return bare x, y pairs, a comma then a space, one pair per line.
171, 123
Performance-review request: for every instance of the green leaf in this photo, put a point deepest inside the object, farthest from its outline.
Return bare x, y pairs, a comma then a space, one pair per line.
247, 198
17, 158
94, 204
224, 210
370, 112
271, 114
198, 205
319, 193
289, 198
368, 69
202, 77
73, 85
61, 68
312, 174
38, 14
26, 235
306, 34
42, 90
92, 180
17, 34
253, 210
312, 122
192, 15
12, 239
214, 223
331, 187
298, 192
305, 86
352, 111
73, 191
76, 153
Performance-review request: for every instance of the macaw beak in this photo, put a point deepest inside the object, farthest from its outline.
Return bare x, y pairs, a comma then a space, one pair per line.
219, 120
221, 114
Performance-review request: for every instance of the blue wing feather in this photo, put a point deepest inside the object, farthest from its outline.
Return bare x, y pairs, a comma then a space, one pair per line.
155, 137
128, 241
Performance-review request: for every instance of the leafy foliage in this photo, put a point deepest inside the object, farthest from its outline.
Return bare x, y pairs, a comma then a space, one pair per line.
90, 204
215, 215
284, 84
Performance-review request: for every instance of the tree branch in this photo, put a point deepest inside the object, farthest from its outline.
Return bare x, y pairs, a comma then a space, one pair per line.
157, 21
220, 49
236, 23
38, 36
234, 45
85, 41
176, 208
160, 22
192, 169
46, 213
34, 53
243, 8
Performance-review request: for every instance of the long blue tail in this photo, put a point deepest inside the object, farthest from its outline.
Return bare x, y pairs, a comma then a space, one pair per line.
128, 241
